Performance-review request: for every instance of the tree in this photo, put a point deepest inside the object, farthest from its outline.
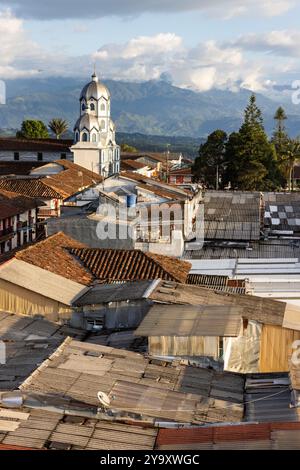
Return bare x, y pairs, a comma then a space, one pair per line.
281, 141
58, 126
280, 136
291, 156
128, 148
251, 161
33, 129
208, 168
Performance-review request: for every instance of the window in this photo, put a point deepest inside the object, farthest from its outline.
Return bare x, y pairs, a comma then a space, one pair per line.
92, 107
94, 137
84, 137
102, 107
63, 156
102, 124
16, 156
40, 156
76, 136
83, 107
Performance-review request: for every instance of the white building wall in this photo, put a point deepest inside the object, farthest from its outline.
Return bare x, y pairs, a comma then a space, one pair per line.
33, 156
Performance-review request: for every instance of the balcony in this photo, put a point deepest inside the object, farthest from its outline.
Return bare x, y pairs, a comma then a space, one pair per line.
6, 234
45, 212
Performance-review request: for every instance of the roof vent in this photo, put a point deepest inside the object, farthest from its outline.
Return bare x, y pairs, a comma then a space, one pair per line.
11, 399
104, 399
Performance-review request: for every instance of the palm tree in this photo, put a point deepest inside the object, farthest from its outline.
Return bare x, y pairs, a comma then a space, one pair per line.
58, 126
292, 155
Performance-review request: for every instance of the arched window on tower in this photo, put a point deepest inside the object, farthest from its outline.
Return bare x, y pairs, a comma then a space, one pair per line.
102, 107
76, 136
84, 137
94, 137
83, 107
92, 107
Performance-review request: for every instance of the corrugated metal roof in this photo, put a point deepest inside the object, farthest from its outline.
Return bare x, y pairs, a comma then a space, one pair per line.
254, 308
232, 215
269, 249
42, 282
243, 437
73, 376
28, 342
188, 320
104, 293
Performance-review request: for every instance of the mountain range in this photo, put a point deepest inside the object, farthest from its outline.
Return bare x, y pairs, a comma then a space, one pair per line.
152, 107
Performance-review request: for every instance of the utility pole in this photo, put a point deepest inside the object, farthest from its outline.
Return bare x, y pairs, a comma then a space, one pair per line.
167, 159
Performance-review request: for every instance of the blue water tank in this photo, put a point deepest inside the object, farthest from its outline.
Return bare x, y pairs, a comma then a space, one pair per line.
131, 200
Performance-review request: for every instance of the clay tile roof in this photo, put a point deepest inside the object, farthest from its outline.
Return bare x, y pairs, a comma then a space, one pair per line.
36, 145
73, 179
130, 265
29, 187
52, 254
12, 204
132, 164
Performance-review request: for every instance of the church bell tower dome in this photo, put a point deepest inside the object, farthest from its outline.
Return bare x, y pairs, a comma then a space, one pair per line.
95, 89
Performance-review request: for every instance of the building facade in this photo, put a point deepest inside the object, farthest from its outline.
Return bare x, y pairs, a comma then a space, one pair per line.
18, 219
13, 149
95, 145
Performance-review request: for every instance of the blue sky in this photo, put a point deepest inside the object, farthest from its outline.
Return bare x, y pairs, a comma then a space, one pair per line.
200, 44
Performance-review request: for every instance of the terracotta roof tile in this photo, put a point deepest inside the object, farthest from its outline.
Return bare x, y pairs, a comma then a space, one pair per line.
13, 204
52, 254
71, 180
132, 164
129, 265
36, 145
29, 187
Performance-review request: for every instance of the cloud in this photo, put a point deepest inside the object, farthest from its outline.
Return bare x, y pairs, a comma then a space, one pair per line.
100, 8
203, 67
16, 48
282, 43
210, 64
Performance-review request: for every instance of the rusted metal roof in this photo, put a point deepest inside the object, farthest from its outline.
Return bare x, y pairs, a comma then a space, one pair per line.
249, 436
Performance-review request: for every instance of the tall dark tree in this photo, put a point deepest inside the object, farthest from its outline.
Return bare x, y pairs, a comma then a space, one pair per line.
208, 168
280, 136
251, 162
281, 141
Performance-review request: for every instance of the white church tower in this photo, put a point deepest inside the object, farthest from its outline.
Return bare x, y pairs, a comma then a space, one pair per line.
95, 145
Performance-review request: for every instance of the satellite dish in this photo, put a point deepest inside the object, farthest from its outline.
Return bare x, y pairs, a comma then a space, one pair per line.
104, 399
